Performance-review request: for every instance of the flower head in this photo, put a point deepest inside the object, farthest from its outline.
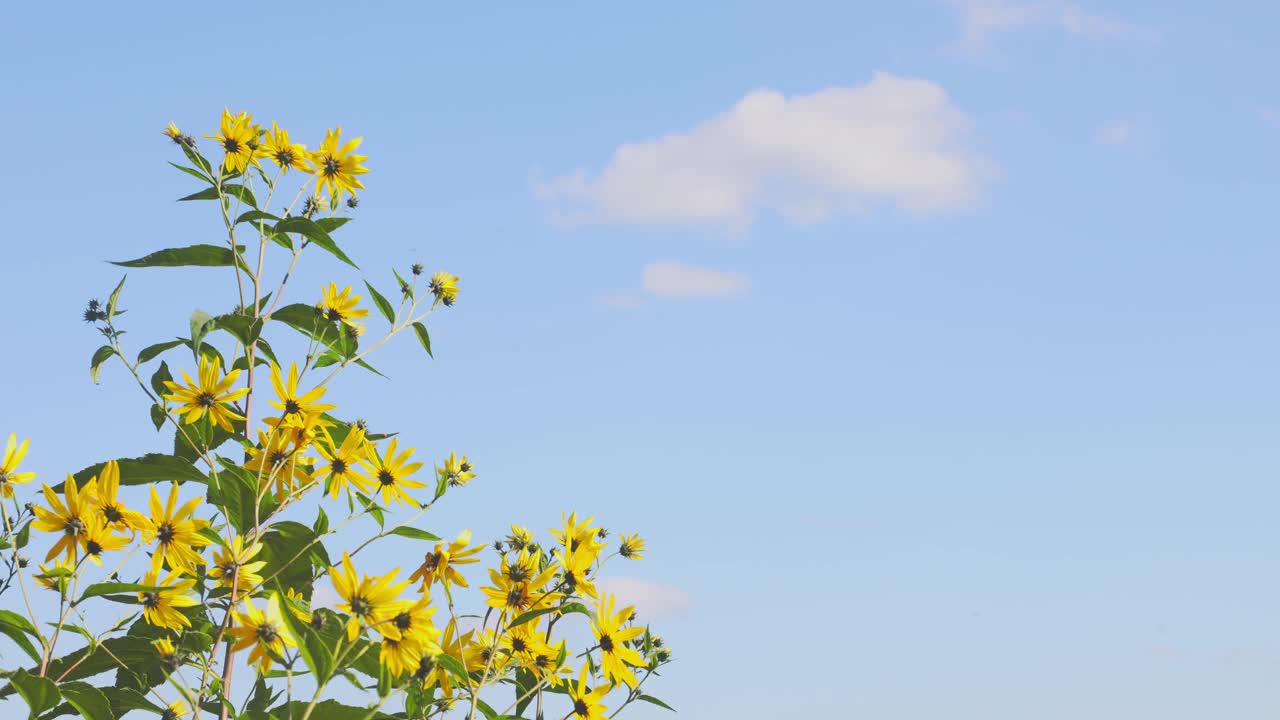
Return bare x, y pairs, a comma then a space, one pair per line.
102, 494
99, 538
235, 566
175, 532
337, 166
287, 155
445, 287
612, 638
631, 547
456, 472
586, 702
9, 475
342, 307
290, 401
265, 632
370, 600
238, 137
391, 473
344, 462
438, 565
160, 606
210, 395
71, 519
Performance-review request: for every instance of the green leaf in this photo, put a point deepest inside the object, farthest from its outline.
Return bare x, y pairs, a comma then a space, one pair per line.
190, 171
159, 377
316, 653
488, 712
244, 328
88, 700
526, 617
240, 191
115, 297
655, 701
198, 160
414, 533
113, 588
157, 416
40, 692
190, 256
235, 491
201, 323
423, 337
450, 663
100, 356
315, 233
145, 470
151, 351
285, 540
385, 307
257, 215
18, 628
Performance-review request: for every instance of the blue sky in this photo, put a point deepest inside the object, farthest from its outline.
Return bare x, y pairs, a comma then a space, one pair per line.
941, 380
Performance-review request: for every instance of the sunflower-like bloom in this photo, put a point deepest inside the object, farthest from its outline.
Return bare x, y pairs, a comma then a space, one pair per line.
287, 155
56, 578
336, 166
391, 473
341, 307
210, 395
547, 663
429, 672
173, 133
343, 468
9, 475
515, 595
102, 492
486, 647
275, 461
519, 537
577, 569
99, 538
265, 632
414, 623
238, 137
456, 472
175, 532
575, 533
438, 565
586, 702
290, 401
524, 642
160, 606
235, 566
631, 547
175, 710
168, 653
71, 519
370, 600
445, 287
612, 637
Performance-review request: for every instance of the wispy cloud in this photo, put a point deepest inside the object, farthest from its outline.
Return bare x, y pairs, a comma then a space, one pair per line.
981, 21
650, 599
677, 281
892, 140
1116, 133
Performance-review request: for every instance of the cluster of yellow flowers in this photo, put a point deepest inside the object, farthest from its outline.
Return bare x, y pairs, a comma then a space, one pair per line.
243, 142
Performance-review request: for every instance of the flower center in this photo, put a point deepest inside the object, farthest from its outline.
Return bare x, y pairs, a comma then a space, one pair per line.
580, 707
386, 478
150, 600
518, 644
112, 513
291, 407
606, 643
278, 457
267, 632
403, 621
518, 573
361, 606
74, 527
205, 399
165, 533
93, 548
333, 314
338, 467
331, 166
231, 145
284, 158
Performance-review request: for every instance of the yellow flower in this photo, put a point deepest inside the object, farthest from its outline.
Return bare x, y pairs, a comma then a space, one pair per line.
401, 656
519, 537
575, 533
341, 306
172, 132
414, 621
438, 565
429, 672
266, 632
516, 595
238, 137
577, 569
56, 577
392, 471
445, 287
586, 702
612, 638
524, 642
456, 472
166, 650
175, 532
207, 396
632, 547
9, 475
343, 470
71, 519
275, 461
99, 538
370, 600
297, 605
290, 401
547, 663
337, 167
235, 565
287, 155
160, 606
175, 711
101, 493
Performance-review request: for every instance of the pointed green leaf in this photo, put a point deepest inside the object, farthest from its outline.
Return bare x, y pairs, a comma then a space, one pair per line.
18, 628
40, 693
192, 255
423, 337
383, 306
100, 356
414, 533
315, 233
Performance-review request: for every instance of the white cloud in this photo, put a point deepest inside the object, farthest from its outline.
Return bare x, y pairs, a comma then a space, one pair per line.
1116, 133
982, 20
650, 599
677, 281
891, 140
